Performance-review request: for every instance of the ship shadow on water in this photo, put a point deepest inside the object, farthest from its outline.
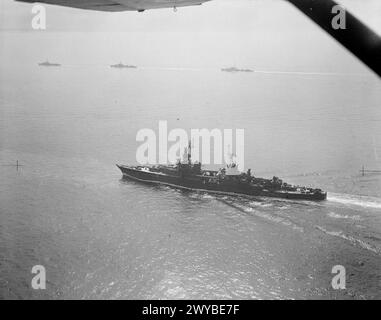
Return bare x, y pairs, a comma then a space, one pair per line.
193, 195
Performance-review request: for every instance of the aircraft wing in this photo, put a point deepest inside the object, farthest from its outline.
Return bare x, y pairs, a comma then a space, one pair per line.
120, 5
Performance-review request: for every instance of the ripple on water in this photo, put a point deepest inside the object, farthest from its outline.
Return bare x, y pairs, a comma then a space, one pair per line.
335, 215
351, 239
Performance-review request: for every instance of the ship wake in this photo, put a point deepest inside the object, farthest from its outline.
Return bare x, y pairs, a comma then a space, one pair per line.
259, 209
355, 200
353, 240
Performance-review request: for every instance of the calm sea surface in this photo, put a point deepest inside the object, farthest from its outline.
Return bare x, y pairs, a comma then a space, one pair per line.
101, 237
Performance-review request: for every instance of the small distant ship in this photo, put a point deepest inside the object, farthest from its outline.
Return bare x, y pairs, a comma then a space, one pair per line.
228, 181
234, 69
120, 65
48, 64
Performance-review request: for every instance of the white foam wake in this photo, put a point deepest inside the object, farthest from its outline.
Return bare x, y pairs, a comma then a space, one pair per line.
356, 200
351, 239
335, 215
272, 217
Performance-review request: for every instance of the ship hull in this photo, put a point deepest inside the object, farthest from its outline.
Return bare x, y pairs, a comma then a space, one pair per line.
199, 184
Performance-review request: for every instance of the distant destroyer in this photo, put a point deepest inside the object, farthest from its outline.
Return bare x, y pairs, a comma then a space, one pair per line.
120, 65
48, 64
234, 69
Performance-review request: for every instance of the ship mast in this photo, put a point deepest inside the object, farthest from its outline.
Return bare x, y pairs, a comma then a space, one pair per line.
189, 152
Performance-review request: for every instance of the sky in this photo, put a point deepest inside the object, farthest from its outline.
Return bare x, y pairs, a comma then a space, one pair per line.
261, 34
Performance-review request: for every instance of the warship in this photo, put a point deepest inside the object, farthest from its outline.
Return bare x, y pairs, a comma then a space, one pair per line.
234, 69
189, 175
120, 65
48, 64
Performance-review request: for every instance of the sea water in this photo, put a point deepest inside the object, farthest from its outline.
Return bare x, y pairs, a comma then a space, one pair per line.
98, 236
